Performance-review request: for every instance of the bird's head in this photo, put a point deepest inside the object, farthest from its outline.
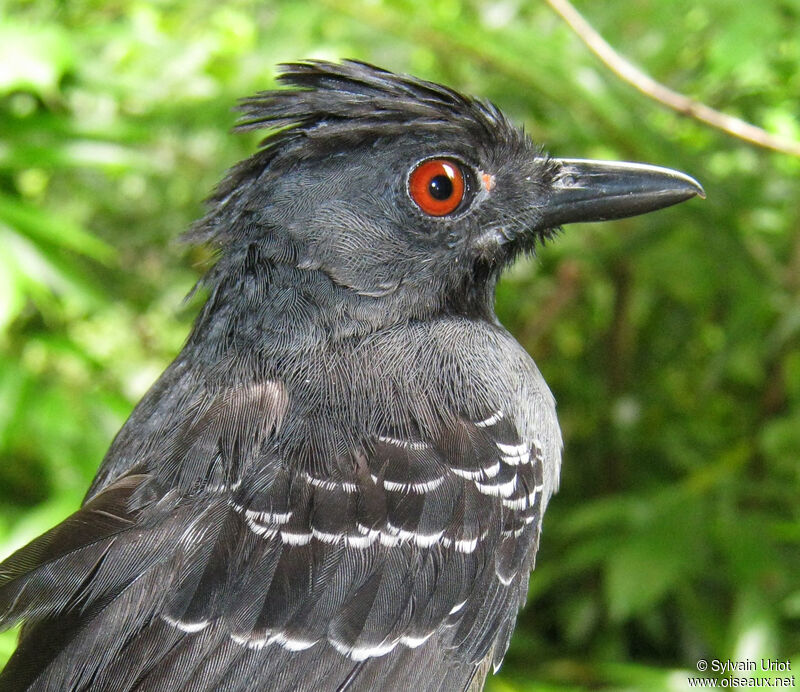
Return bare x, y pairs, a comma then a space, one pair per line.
405, 194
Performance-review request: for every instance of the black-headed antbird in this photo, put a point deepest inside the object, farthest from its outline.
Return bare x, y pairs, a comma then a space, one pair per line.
340, 481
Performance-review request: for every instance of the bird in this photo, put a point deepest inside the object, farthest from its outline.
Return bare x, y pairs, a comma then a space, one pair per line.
339, 482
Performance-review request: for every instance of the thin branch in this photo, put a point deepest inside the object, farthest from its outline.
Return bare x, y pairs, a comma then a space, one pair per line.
672, 99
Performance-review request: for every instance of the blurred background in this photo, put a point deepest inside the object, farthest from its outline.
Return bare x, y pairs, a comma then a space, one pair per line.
671, 341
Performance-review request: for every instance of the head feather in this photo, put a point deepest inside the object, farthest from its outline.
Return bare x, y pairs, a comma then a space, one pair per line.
355, 98
330, 106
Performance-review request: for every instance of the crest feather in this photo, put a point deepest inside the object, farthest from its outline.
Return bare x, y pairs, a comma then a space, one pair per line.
332, 106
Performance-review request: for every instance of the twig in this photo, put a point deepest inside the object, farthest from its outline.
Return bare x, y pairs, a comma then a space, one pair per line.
664, 95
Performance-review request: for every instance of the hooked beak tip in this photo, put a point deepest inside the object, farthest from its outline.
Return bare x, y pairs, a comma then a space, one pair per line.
588, 191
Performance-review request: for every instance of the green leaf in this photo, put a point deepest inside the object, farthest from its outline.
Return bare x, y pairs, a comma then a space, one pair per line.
41, 226
33, 57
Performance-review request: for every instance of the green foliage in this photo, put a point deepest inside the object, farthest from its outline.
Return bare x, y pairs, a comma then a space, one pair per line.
672, 342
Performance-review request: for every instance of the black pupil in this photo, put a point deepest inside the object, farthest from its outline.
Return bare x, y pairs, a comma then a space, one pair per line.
441, 187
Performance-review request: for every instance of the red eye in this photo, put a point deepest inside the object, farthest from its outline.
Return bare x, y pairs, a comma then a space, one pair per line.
437, 186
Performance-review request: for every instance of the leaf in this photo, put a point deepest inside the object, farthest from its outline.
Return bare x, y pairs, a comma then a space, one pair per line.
33, 57
8, 642
657, 556
41, 272
12, 297
40, 226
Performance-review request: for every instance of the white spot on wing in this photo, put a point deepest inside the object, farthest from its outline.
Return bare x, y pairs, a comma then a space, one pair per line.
469, 475
525, 501
268, 517
361, 541
505, 580
512, 450
293, 538
280, 638
389, 541
491, 420
421, 539
405, 444
491, 471
186, 626
366, 529
499, 490
414, 642
250, 642
515, 454
361, 653
466, 545
457, 607
427, 540
516, 533
328, 484
518, 459
222, 487
418, 488
326, 537
292, 643
260, 529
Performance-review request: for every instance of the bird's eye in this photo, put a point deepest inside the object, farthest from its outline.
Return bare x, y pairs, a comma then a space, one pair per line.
437, 186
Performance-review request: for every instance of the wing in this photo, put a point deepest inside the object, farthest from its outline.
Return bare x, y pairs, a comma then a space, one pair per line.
328, 563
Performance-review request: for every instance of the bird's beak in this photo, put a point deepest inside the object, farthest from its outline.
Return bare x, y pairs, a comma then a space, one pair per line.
600, 190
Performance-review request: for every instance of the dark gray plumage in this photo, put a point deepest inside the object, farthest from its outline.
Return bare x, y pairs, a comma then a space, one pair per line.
340, 481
